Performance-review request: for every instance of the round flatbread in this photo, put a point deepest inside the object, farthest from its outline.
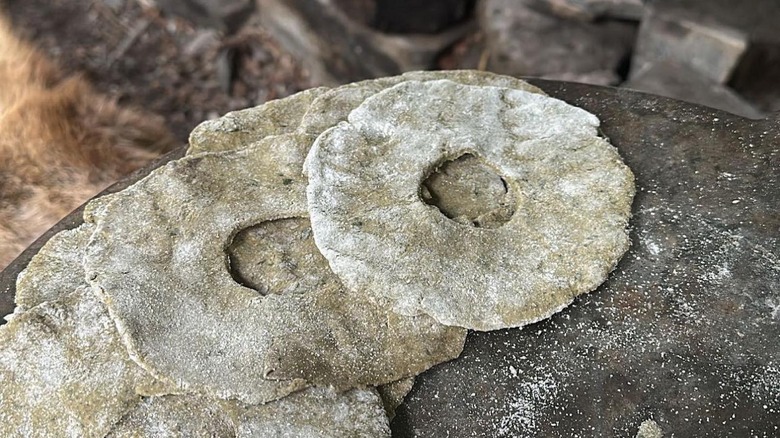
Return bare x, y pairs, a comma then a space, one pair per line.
160, 260
571, 192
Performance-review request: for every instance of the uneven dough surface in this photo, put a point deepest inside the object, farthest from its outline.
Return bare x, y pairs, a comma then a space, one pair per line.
175, 416
202, 301
57, 269
394, 393
468, 191
333, 106
314, 412
239, 129
65, 372
160, 261
566, 234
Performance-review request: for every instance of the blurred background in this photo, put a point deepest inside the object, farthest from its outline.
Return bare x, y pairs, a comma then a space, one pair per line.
192, 60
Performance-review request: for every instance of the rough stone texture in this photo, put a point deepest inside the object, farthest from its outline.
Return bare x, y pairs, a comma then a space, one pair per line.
214, 335
65, 371
711, 49
757, 18
414, 17
569, 227
314, 412
223, 15
240, 129
593, 9
674, 79
755, 77
523, 41
757, 70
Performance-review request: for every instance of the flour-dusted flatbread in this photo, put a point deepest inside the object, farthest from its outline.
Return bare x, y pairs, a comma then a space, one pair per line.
394, 393
332, 336
239, 129
57, 269
572, 197
314, 412
65, 372
333, 106
159, 259
175, 416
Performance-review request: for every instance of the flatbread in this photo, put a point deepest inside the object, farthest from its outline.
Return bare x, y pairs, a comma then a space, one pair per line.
568, 230
159, 261
65, 371
315, 412
239, 129
56, 269
333, 106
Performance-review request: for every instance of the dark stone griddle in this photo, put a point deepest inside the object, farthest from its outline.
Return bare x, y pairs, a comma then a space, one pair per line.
686, 332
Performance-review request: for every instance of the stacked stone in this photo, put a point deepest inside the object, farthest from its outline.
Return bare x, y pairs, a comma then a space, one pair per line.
307, 258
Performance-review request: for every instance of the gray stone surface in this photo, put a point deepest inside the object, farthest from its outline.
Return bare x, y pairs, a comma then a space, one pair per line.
524, 41
223, 15
337, 49
569, 227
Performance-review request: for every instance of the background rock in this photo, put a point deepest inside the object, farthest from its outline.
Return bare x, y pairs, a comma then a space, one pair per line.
524, 41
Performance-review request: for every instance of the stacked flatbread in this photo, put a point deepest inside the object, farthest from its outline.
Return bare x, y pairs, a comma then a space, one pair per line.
293, 273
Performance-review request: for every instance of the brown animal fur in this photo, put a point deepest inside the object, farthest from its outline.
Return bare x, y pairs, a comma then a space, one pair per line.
60, 143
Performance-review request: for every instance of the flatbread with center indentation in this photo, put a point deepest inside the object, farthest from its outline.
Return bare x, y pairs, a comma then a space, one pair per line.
567, 232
